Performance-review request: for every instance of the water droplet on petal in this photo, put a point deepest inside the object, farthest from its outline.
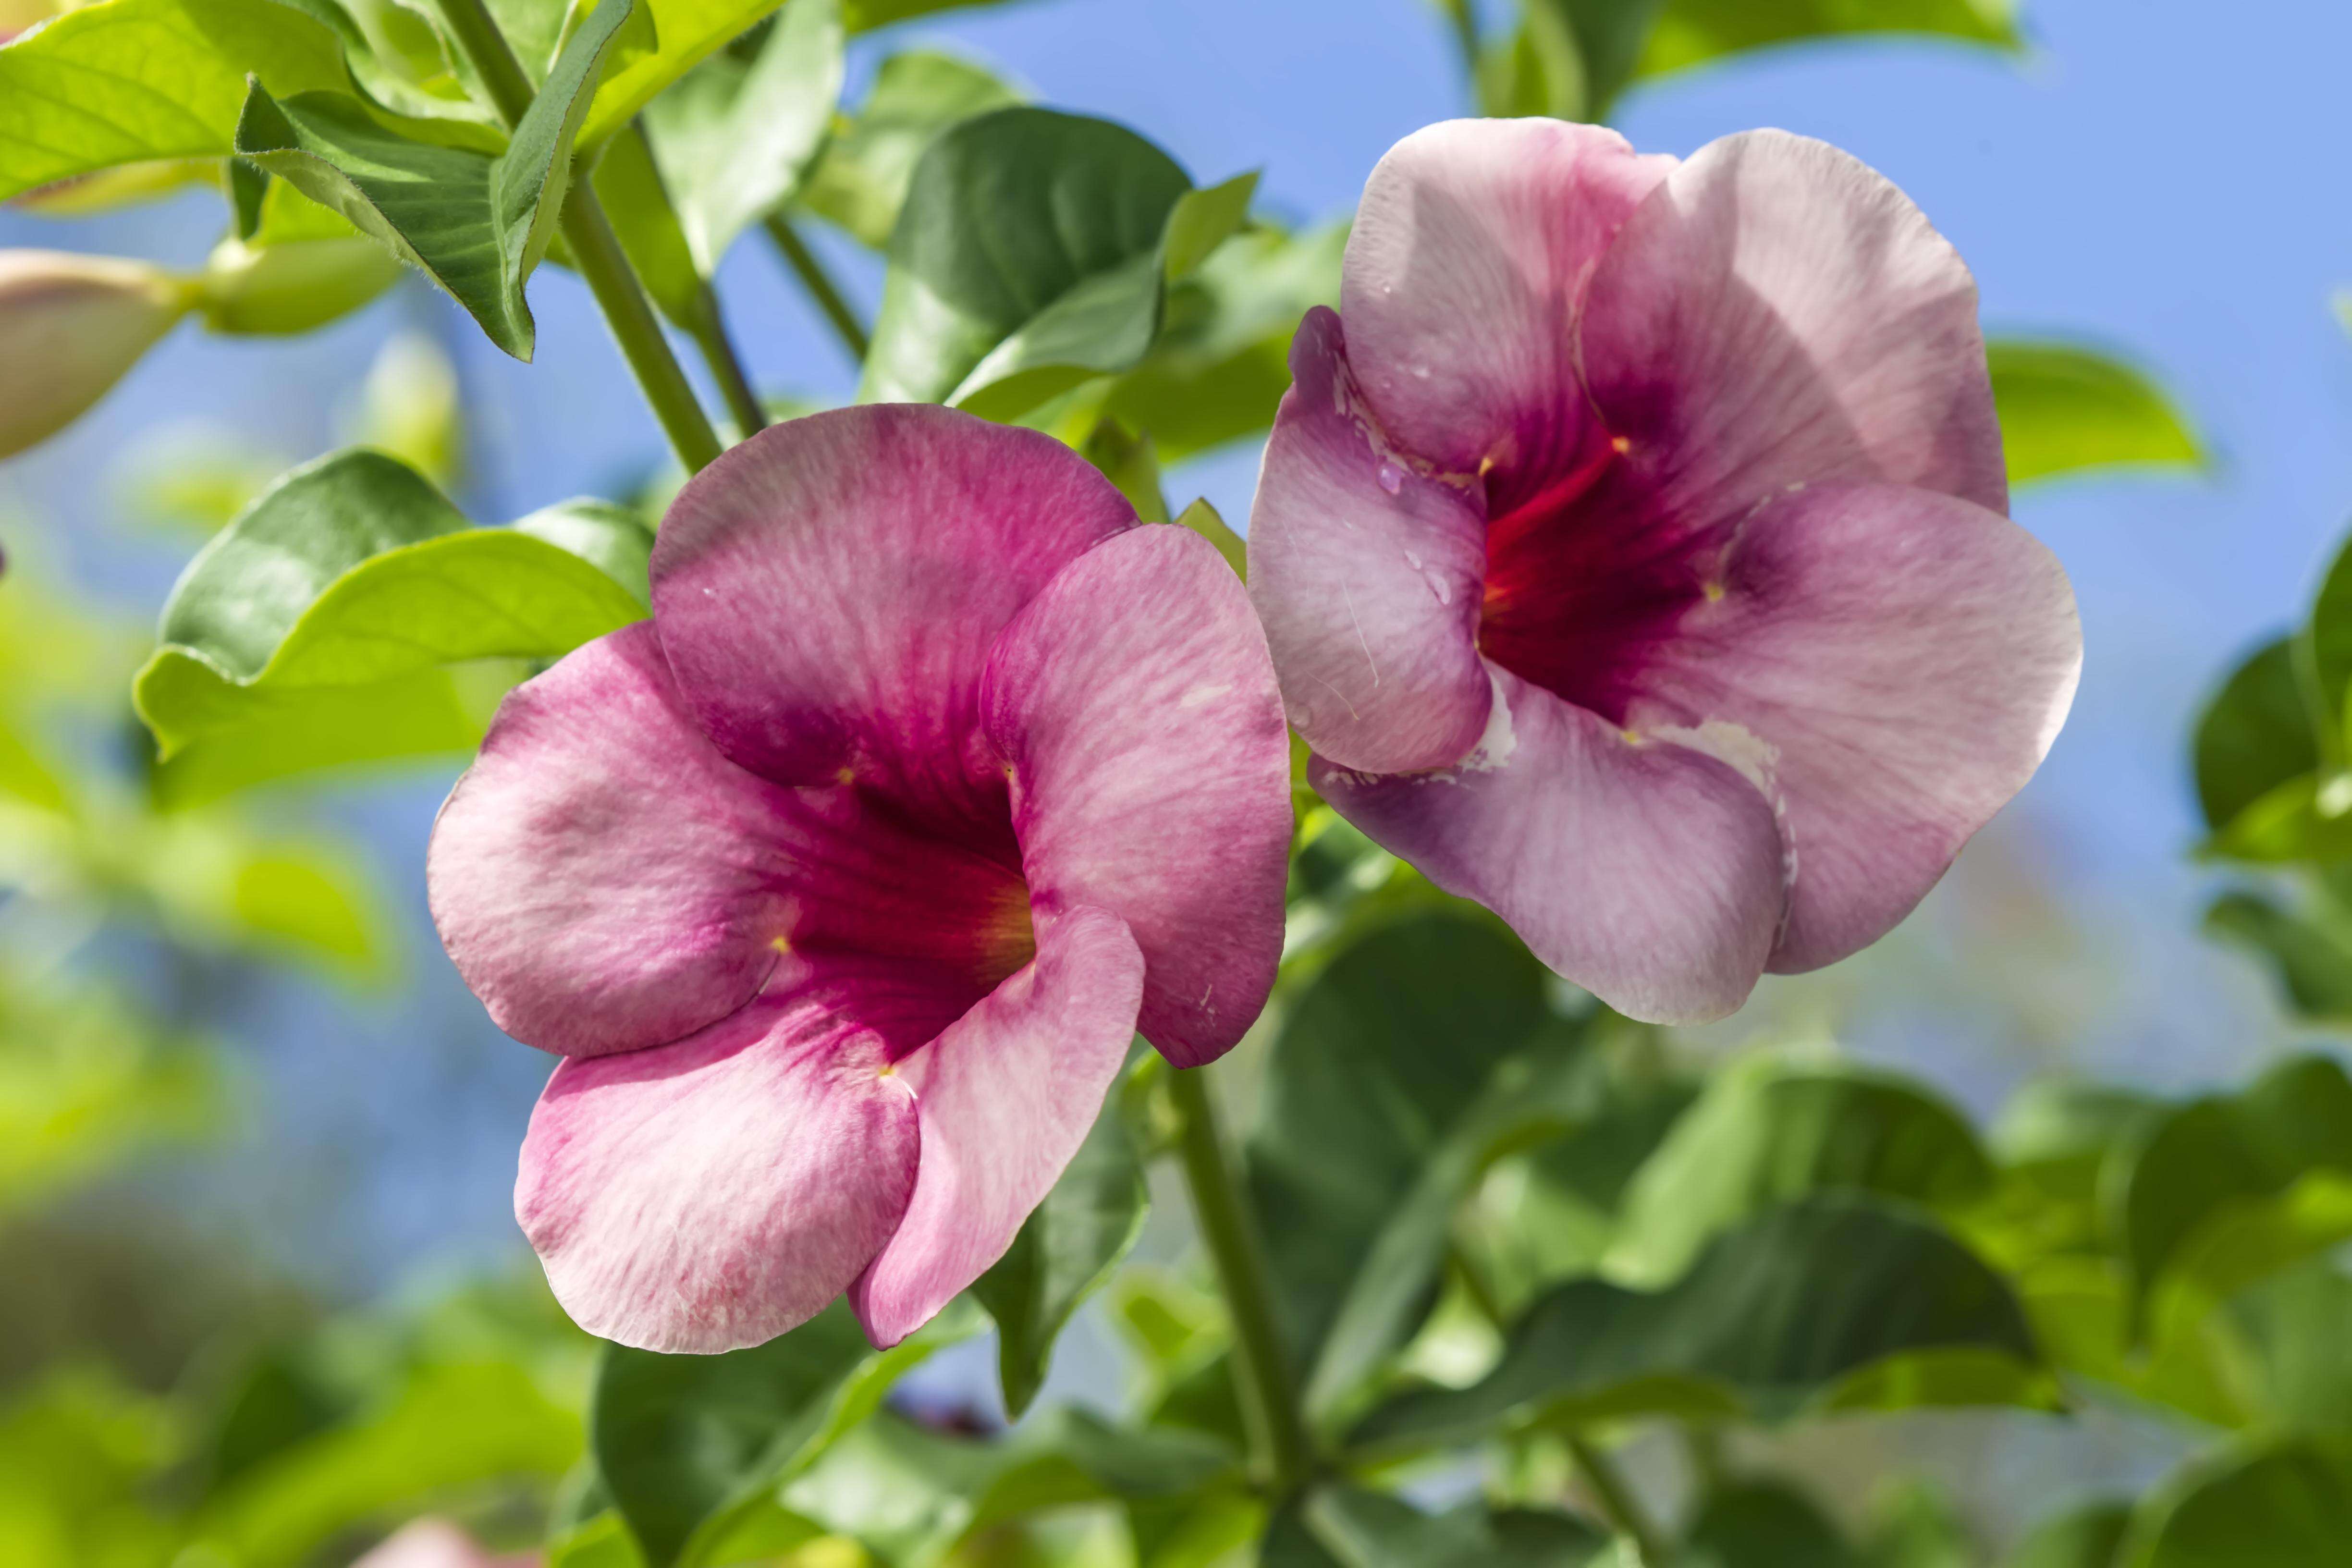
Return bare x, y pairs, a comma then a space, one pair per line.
1392, 478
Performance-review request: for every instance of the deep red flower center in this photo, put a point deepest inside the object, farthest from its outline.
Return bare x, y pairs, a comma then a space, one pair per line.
1585, 578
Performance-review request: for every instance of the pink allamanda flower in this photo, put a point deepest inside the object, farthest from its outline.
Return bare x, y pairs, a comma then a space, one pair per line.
843, 884
1633, 546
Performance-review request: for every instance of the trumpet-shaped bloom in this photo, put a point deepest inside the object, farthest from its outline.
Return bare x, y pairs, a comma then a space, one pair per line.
70, 327
1635, 558
843, 884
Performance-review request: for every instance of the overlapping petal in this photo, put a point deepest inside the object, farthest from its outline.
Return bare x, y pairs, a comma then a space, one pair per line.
1645, 872
1366, 572
1776, 312
1004, 1097
827, 592
1135, 704
601, 876
711, 1194
1893, 664
1464, 270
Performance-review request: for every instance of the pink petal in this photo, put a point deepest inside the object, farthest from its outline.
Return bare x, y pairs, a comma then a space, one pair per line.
1777, 313
1005, 1096
1465, 269
1367, 575
1892, 665
1648, 873
601, 875
828, 590
433, 1543
712, 1193
1135, 703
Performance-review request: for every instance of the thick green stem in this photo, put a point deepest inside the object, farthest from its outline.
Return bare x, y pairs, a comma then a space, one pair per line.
596, 250
1269, 1397
819, 284
743, 404
1624, 1510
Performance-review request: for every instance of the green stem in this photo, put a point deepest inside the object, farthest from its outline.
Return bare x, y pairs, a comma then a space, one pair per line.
819, 284
596, 249
1624, 1510
1262, 1376
709, 335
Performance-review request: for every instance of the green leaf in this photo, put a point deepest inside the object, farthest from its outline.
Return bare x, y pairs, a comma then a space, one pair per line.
2307, 820
1032, 254
353, 573
1063, 1252
1775, 1315
453, 1426
688, 32
1569, 58
1203, 220
2294, 1352
860, 181
736, 138
123, 81
1357, 1528
2255, 735
1766, 1132
1376, 1062
686, 1443
1202, 518
1691, 32
1222, 361
2308, 950
632, 193
2088, 1536
865, 15
2065, 408
2215, 1166
2284, 1505
310, 900
476, 225
1762, 1524
436, 713
2326, 652
1129, 461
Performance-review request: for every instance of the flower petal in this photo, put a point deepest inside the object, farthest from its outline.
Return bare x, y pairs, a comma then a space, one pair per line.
1892, 664
1649, 874
599, 875
1366, 576
1136, 705
1469, 259
1777, 312
827, 592
1005, 1096
712, 1193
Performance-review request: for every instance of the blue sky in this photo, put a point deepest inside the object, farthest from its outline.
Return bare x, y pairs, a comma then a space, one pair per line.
2150, 177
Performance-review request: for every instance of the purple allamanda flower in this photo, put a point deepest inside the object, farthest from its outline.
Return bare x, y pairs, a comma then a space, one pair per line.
843, 884
1634, 556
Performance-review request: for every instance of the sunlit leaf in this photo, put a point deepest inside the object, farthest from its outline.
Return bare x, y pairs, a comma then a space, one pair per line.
1766, 1132
2255, 735
123, 81
1690, 32
860, 181
1779, 1312
735, 137
2065, 408
476, 225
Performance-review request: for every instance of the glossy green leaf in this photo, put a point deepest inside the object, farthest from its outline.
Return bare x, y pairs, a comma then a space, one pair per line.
735, 137
1065, 1251
2255, 735
2309, 950
1354, 1527
1031, 254
2208, 1168
1762, 1524
2089, 1536
860, 181
476, 225
1692, 32
1376, 1062
687, 33
688, 1444
123, 81
2284, 1505
1775, 1315
1766, 1132
2065, 408
354, 575
434, 713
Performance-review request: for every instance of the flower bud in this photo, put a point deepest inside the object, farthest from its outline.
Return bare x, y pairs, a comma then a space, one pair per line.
294, 286
70, 326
